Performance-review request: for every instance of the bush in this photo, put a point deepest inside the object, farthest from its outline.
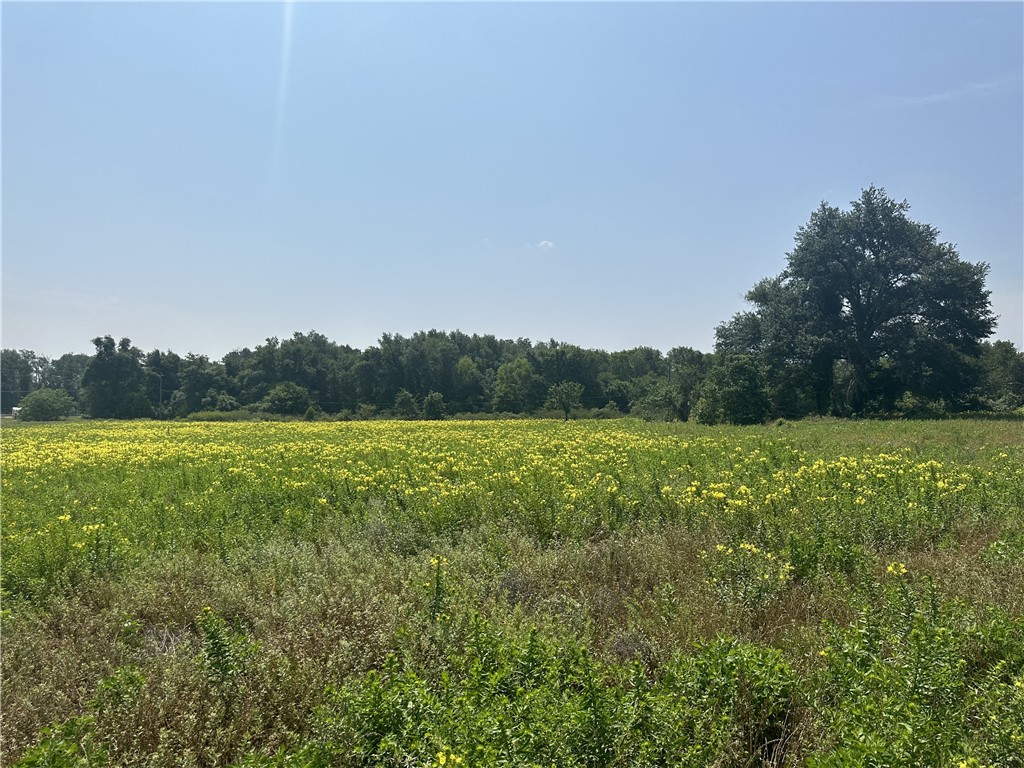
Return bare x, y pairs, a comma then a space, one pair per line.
433, 406
735, 392
287, 398
405, 405
660, 404
911, 406
365, 412
46, 405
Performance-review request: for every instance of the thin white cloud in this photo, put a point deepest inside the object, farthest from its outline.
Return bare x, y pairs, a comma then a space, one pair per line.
968, 90
545, 244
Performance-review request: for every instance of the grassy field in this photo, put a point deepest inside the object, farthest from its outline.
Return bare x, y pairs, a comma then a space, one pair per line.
513, 593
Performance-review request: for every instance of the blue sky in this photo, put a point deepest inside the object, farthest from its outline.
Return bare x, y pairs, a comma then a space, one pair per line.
202, 176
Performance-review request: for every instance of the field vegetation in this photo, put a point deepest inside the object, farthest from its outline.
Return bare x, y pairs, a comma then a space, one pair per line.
534, 592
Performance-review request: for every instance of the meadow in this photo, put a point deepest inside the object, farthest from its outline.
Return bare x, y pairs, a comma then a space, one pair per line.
520, 593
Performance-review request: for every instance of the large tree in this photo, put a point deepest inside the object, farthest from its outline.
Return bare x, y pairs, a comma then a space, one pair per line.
114, 381
870, 306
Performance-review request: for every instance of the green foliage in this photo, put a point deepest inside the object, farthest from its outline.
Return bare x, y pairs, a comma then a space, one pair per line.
119, 693
913, 682
219, 401
517, 388
329, 547
911, 406
364, 412
287, 398
405, 406
135, 406
660, 403
877, 291
227, 650
434, 406
46, 405
243, 414
804, 368
566, 396
735, 392
67, 745
687, 370
20, 373
524, 700
1002, 382
467, 384
114, 381
746, 575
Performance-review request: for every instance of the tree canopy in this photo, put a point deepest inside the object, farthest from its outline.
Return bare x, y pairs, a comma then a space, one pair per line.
871, 306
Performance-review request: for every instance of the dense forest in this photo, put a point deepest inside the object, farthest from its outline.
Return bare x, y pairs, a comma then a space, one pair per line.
873, 316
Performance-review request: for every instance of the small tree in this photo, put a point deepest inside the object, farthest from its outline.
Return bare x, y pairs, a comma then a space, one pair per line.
365, 412
287, 398
565, 396
433, 406
405, 405
46, 405
735, 392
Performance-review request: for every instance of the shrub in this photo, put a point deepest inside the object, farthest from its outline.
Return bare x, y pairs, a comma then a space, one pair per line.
365, 412
735, 392
433, 406
46, 405
405, 405
287, 398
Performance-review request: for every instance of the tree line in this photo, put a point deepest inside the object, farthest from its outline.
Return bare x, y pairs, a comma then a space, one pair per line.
872, 316
429, 374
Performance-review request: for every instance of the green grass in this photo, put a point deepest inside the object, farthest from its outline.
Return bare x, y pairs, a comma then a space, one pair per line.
820, 593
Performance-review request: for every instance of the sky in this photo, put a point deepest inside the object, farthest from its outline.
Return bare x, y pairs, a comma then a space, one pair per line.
200, 177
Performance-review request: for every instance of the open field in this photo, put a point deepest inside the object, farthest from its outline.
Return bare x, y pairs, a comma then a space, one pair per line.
513, 593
